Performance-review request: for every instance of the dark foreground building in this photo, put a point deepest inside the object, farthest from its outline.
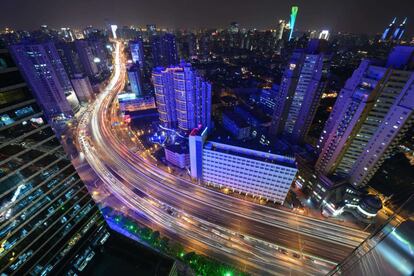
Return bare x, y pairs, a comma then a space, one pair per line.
47, 216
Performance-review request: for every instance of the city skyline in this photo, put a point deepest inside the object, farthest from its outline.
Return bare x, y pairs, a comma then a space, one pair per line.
222, 152
262, 14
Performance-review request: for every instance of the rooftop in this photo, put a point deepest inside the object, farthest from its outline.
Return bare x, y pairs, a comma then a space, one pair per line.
252, 154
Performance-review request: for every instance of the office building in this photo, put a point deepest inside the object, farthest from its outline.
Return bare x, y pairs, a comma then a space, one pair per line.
86, 58
43, 71
164, 50
83, 88
47, 217
70, 58
183, 97
373, 112
280, 29
134, 77
177, 155
235, 125
137, 52
255, 173
300, 91
267, 99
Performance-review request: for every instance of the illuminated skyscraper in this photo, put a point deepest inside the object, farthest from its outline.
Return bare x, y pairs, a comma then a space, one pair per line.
86, 57
47, 217
82, 87
293, 21
183, 97
134, 77
300, 91
43, 71
164, 50
399, 32
280, 29
372, 113
389, 31
137, 52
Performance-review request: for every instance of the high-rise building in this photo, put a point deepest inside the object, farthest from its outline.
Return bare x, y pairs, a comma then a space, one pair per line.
256, 173
399, 32
292, 21
134, 77
371, 115
137, 52
389, 31
70, 58
86, 57
47, 217
164, 50
83, 88
183, 97
280, 29
43, 71
300, 91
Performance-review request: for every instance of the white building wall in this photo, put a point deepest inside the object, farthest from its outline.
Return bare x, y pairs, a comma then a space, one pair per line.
262, 179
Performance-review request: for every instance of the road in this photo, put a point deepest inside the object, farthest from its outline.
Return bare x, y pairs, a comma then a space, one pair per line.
258, 238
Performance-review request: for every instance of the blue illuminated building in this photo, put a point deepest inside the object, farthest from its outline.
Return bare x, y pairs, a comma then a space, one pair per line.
43, 71
135, 80
137, 52
183, 97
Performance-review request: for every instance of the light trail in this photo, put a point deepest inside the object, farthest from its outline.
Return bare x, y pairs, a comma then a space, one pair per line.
260, 238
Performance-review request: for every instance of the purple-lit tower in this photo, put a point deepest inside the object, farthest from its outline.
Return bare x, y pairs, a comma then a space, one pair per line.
372, 113
43, 70
300, 91
183, 97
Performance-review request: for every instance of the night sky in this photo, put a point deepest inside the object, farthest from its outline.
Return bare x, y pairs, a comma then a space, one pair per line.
359, 16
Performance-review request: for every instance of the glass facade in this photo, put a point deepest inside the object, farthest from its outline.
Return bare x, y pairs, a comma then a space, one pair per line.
46, 213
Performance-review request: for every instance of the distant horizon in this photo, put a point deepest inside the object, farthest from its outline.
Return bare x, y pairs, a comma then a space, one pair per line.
352, 16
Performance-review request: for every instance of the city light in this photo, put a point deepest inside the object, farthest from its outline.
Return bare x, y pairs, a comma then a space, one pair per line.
232, 150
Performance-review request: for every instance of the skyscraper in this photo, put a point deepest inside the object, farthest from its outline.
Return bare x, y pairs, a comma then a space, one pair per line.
86, 57
134, 77
164, 50
373, 112
399, 32
300, 91
183, 97
280, 29
70, 58
82, 87
43, 71
137, 52
47, 217
292, 22
389, 31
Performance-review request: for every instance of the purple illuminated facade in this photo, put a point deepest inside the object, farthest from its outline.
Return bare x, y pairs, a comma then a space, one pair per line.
183, 97
137, 52
373, 112
300, 92
42, 69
